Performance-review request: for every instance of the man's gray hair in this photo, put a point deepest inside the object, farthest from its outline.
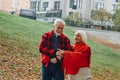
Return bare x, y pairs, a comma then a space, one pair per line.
59, 20
83, 35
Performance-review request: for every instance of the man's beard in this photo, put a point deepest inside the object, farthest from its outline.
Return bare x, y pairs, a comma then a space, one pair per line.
58, 34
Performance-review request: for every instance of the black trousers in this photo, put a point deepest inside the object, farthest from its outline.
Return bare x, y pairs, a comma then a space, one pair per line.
52, 72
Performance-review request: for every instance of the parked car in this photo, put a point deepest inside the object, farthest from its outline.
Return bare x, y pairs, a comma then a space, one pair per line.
28, 13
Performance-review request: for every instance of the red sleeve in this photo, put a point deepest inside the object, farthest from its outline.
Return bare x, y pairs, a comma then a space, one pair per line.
43, 47
73, 61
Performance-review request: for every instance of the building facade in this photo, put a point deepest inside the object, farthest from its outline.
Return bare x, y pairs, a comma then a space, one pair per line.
83, 7
63, 8
35, 5
68, 7
59, 8
3, 6
109, 5
14, 5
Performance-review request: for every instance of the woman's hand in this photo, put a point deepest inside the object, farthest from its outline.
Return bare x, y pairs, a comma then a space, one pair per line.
59, 52
59, 57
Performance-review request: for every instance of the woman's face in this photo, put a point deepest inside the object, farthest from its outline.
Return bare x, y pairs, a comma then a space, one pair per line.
78, 38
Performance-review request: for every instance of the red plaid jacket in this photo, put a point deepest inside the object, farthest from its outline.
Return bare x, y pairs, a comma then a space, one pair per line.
46, 46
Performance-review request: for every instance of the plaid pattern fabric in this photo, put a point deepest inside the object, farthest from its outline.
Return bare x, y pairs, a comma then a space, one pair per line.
46, 46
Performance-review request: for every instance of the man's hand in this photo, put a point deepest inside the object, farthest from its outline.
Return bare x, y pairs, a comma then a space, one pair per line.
53, 60
59, 54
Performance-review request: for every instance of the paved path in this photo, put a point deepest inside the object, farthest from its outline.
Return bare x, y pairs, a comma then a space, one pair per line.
108, 38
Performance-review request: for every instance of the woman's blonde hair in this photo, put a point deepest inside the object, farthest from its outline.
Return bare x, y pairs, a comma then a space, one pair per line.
83, 35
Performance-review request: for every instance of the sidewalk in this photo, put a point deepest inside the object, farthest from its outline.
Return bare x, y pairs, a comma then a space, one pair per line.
108, 38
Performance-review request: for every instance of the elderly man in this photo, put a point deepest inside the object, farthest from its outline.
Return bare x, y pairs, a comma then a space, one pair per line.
49, 44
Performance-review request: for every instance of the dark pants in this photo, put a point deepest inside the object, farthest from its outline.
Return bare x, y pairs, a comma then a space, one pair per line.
52, 72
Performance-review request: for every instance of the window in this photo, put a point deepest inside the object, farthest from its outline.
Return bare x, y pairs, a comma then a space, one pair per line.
80, 2
98, 5
101, 5
76, 4
38, 6
71, 3
33, 5
113, 7
57, 5
45, 5
116, 0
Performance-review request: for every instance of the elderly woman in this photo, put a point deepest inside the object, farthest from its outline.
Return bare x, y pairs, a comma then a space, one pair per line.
77, 63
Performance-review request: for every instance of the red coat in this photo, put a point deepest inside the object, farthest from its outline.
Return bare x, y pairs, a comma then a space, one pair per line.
77, 59
46, 46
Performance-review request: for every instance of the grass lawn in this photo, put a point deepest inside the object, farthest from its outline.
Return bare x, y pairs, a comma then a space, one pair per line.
20, 58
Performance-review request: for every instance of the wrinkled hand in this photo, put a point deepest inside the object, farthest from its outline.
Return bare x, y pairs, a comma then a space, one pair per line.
59, 52
59, 57
53, 60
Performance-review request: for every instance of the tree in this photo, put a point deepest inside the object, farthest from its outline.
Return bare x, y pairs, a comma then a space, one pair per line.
116, 18
101, 16
76, 19
73, 19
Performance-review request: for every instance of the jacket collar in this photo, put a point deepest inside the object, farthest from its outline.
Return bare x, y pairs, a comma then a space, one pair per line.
51, 32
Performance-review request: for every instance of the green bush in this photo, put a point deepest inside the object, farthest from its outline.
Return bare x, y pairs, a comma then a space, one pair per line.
73, 20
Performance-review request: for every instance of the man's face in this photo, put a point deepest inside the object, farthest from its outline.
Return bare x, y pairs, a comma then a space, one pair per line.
58, 29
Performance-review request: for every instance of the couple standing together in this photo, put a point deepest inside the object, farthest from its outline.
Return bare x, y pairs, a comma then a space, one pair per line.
59, 57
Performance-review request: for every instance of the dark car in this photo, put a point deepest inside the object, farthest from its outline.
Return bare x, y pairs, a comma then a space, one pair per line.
28, 13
